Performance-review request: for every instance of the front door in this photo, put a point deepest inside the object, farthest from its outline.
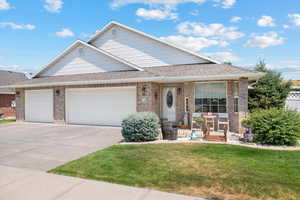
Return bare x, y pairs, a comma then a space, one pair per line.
169, 104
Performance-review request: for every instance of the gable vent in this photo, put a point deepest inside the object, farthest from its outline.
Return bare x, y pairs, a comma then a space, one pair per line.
114, 32
81, 51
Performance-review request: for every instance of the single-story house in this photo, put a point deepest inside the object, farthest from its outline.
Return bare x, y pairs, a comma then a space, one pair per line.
120, 71
293, 100
7, 96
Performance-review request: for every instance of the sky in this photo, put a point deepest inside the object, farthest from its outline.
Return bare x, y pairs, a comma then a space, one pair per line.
33, 32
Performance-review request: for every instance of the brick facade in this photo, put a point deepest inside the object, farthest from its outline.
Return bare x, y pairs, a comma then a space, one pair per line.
149, 98
5, 105
59, 104
20, 104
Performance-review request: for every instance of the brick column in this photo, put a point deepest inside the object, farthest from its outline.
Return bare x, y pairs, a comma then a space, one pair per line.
20, 104
230, 106
59, 104
243, 101
189, 92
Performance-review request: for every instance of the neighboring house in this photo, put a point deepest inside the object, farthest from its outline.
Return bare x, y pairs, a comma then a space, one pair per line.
293, 100
120, 71
7, 96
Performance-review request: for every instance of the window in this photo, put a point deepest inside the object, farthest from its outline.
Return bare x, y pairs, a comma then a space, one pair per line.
210, 97
236, 97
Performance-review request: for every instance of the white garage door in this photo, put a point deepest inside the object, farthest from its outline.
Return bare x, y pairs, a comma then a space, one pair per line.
100, 106
39, 105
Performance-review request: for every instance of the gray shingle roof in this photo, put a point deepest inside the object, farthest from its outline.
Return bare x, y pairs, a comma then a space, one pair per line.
8, 78
152, 73
199, 70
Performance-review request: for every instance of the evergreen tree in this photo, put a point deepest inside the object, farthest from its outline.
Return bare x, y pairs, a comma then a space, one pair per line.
270, 91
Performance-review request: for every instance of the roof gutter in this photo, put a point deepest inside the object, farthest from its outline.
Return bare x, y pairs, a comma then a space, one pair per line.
160, 79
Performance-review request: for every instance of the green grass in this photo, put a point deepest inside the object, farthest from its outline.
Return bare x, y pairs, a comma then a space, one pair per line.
7, 120
204, 170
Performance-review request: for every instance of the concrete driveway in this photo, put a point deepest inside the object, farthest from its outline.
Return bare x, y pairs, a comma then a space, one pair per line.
46, 146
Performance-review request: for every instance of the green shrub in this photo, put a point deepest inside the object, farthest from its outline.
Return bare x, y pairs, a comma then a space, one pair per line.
141, 127
275, 126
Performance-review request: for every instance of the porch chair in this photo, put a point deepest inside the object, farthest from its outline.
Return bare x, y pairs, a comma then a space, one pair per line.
223, 119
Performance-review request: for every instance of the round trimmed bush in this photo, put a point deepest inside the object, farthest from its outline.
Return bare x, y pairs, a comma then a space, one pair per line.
275, 126
141, 127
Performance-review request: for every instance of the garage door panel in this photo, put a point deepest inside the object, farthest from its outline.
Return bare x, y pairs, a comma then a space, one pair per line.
100, 106
39, 105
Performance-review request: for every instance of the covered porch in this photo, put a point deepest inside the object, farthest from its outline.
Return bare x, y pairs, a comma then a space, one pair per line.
220, 105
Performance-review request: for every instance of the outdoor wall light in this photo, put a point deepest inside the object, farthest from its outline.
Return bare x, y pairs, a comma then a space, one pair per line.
179, 90
57, 92
18, 94
144, 90
155, 95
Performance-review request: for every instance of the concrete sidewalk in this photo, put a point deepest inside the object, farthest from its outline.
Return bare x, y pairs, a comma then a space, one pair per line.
21, 184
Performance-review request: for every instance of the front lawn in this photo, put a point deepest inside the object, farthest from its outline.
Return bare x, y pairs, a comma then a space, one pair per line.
7, 120
204, 170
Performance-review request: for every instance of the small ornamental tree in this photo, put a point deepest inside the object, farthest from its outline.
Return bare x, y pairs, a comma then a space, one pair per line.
270, 91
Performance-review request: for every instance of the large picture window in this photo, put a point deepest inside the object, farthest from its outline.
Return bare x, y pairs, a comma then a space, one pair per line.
210, 97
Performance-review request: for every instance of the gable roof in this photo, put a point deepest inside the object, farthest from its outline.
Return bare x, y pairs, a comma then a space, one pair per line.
8, 78
78, 43
114, 23
178, 73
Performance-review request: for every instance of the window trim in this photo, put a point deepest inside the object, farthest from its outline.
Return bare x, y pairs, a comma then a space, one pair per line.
226, 84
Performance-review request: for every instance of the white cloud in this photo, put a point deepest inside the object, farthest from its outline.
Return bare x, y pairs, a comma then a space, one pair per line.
195, 13
225, 3
291, 75
224, 56
65, 33
286, 26
295, 19
4, 5
288, 64
235, 19
265, 40
17, 68
210, 30
173, 3
53, 6
266, 21
156, 14
13, 25
194, 43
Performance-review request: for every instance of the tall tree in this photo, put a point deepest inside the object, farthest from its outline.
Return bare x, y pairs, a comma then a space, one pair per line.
270, 90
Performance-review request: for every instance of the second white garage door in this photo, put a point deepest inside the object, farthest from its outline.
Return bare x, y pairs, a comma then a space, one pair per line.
39, 105
100, 106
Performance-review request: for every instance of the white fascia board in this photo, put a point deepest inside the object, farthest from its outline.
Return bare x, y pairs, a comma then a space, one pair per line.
7, 93
109, 25
160, 79
76, 44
